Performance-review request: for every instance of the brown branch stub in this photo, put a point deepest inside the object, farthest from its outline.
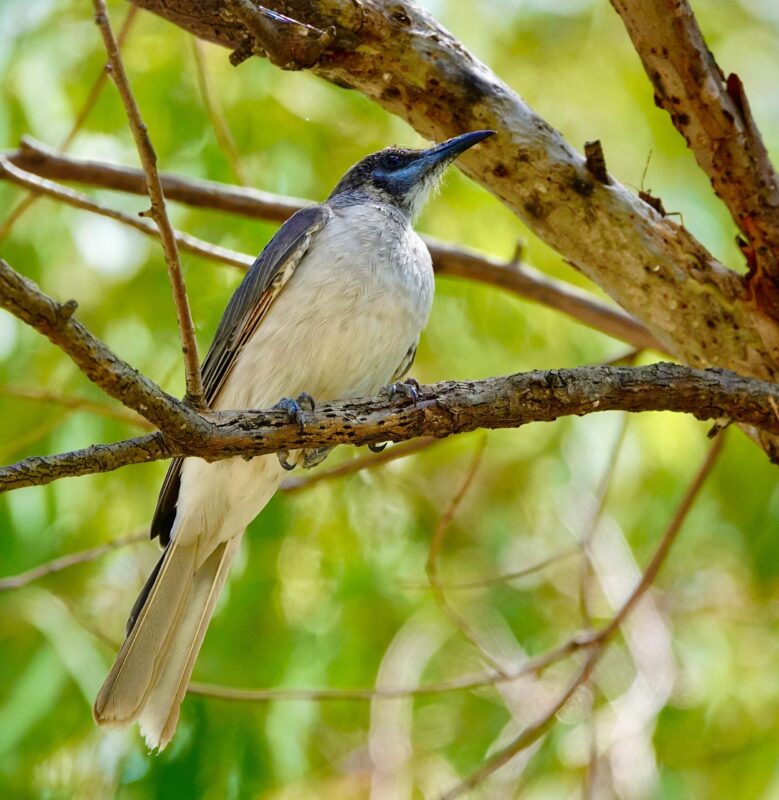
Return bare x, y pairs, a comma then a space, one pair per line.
442, 410
287, 43
158, 209
712, 113
595, 161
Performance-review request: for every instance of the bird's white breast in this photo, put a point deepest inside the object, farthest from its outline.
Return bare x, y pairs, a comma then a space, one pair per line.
345, 320
339, 328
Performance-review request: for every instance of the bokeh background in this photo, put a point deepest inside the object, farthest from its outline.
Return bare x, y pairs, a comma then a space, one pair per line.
329, 591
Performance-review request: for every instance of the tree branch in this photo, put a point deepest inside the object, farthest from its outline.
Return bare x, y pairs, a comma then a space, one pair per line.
114, 376
448, 260
443, 409
396, 54
597, 641
94, 93
42, 186
158, 210
712, 113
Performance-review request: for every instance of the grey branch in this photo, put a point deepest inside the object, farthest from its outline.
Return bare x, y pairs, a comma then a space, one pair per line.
449, 260
443, 409
398, 55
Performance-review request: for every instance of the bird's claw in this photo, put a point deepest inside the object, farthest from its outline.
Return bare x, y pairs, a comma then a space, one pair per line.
282, 456
377, 448
294, 408
409, 387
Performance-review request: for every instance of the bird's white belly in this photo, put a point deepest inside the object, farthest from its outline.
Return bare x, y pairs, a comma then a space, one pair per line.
340, 328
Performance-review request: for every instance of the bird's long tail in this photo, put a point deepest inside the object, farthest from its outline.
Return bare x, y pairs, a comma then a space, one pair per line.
152, 670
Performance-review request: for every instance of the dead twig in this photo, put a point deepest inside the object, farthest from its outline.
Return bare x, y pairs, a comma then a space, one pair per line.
448, 260
94, 93
43, 186
69, 560
158, 209
595, 643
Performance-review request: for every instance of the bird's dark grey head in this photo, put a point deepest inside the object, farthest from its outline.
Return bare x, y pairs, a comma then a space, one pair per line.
399, 177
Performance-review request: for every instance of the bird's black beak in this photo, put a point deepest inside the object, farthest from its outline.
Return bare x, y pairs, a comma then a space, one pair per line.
449, 150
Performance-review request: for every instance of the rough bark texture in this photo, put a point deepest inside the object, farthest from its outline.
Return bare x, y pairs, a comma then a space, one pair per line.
397, 54
442, 409
712, 113
22, 298
447, 259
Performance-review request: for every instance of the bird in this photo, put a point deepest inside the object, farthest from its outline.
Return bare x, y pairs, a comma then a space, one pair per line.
332, 308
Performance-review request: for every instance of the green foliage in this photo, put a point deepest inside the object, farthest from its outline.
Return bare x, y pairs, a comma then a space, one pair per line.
325, 592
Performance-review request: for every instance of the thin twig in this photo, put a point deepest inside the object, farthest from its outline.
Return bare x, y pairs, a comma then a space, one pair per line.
77, 404
436, 545
69, 560
585, 542
94, 93
224, 136
504, 577
158, 209
596, 642
359, 464
44, 186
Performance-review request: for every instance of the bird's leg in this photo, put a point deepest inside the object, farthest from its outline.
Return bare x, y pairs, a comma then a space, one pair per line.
409, 387
294, 409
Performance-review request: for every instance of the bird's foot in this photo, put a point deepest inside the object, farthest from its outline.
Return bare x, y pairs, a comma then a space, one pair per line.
314, 456
294, 409
409, 387
377, 448
282, 456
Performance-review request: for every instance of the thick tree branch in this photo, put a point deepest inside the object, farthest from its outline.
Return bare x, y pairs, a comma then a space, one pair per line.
713, 115
117, 378
396, 54
158, 210
443, 409
449, 260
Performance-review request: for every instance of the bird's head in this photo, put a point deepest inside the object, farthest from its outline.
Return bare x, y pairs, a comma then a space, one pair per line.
403, 178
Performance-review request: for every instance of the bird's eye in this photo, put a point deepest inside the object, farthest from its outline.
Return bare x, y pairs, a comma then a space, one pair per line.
391, 161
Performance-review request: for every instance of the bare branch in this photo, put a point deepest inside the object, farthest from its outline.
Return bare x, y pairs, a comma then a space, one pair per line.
158, 210
399, 56
55, 320
597, 642
76, 404
69, 560
448, 260
712, 113
42, 186
92, 98
443, 409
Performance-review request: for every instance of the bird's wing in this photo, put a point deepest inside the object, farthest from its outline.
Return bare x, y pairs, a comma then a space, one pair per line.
245, 311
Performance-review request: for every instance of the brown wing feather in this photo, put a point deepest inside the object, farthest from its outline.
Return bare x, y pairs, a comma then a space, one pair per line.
245, 311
